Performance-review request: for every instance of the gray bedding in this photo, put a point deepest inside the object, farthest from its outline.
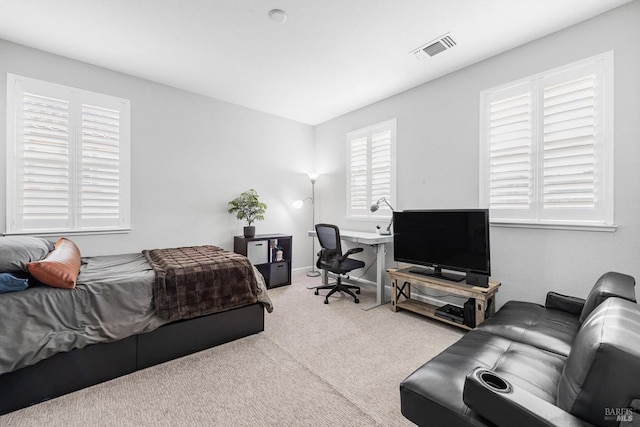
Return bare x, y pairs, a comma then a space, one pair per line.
112, 300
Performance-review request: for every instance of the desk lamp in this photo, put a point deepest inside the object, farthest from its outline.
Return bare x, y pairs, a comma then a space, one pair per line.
375, 207
298, 205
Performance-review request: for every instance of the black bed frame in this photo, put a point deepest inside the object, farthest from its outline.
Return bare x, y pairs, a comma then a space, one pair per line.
67, 372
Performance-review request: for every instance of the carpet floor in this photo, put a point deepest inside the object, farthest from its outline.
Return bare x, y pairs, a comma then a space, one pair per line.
315, 364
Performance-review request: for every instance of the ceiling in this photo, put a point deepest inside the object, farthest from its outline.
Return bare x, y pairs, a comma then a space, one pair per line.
329, 57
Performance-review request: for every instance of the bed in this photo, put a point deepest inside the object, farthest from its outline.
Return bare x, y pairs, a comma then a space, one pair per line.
123, 313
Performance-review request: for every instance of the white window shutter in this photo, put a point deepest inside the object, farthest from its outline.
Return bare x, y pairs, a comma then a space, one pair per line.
100, 159
67, 159
43, 162
381, 166
570, 162
547, 147
358, 177
371, 169
508, 184
510, 153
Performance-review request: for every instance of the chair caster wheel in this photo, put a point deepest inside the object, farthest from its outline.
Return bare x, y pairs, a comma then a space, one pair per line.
316, 292
356, 300
326, 302
358, 292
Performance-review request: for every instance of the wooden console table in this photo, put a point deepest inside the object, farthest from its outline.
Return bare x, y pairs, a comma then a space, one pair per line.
402, 280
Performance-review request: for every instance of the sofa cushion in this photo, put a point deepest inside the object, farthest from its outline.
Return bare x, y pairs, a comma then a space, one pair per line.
432, 395
602, 373
528, 323
608, 285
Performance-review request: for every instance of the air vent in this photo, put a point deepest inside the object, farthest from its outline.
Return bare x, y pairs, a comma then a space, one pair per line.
434, 47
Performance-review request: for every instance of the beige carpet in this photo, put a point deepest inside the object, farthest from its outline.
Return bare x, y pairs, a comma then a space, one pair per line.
314, 365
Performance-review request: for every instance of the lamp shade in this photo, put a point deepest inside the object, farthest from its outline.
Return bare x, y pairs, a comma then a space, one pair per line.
298, 204
376, 205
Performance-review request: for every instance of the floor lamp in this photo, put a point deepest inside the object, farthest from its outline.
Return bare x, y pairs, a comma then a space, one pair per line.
298, 204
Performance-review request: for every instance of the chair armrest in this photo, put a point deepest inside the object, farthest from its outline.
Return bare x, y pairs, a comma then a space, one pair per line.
353, 251
505, 404
350, 252
565, 303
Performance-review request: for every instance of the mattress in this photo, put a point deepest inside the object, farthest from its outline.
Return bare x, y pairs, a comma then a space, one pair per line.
112, 300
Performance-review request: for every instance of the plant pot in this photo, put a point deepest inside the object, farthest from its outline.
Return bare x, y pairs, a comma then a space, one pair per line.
250, 231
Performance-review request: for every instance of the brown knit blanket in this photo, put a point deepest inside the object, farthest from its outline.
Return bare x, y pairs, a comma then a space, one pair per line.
198, 280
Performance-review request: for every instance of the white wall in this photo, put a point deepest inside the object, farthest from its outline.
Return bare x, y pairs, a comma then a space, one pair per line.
190, 155
437, 152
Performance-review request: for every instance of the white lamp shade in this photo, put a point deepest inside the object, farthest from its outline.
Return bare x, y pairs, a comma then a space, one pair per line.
313, 176
298, 204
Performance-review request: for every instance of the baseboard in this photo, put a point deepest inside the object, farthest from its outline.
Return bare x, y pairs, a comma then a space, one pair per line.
301, 270
361, 281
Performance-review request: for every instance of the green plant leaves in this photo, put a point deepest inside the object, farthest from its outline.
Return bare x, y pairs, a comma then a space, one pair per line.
247, 206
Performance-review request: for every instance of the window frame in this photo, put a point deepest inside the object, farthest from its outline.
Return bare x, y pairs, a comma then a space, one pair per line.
384, 212
604, 144
16, 86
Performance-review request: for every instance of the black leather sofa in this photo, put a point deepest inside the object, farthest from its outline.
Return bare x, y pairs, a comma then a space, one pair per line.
571, 362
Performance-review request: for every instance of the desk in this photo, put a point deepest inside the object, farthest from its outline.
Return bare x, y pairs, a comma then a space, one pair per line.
372, 239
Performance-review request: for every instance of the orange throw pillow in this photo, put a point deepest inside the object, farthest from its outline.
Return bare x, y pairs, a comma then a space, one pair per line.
60, 268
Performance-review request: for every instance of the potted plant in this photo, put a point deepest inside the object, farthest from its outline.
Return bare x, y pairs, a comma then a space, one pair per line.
247, 206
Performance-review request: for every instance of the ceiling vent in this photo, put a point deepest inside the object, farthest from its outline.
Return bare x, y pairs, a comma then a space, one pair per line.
434, 47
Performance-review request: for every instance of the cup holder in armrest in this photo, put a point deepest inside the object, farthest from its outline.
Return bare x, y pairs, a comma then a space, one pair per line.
492, 381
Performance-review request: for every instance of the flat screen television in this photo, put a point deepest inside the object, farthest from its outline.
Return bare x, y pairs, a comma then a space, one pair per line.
443, 239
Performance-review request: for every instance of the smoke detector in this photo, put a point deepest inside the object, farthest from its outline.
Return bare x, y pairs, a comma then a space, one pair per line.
278, 15
434, 47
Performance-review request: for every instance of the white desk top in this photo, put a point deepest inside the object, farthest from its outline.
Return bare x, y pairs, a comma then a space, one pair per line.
365, 237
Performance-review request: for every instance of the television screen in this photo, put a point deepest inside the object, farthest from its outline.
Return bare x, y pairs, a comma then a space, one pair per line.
450, 239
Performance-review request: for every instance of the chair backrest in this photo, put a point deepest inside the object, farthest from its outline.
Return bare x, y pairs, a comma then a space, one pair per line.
610, 284
329, 237
600, 376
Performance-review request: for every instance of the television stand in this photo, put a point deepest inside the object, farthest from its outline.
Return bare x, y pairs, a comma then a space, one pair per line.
403, 279
437, 273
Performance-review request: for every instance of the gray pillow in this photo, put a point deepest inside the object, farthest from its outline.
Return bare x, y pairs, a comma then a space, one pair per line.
17, 251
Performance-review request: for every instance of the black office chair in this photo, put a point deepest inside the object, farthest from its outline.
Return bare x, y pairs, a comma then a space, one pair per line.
331, 258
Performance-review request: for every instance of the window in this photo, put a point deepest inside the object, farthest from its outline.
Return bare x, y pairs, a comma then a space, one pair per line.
371, 169
546, 147
67, 159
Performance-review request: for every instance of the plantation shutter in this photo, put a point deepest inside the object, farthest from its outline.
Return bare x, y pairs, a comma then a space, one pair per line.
510, 151
371, 168
100, 187
358, 174
381, 166
547, 147
67, 163
572, 133
43, 160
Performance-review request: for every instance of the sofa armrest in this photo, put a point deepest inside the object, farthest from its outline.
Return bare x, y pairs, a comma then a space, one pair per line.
505, 404
565, 303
